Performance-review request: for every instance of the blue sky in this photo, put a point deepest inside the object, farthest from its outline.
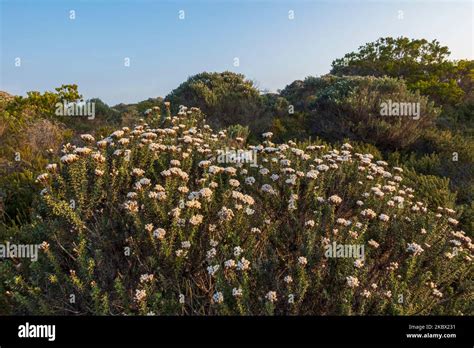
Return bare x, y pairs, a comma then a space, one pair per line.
164, 50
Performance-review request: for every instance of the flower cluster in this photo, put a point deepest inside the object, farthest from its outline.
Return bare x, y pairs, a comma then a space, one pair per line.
159, 226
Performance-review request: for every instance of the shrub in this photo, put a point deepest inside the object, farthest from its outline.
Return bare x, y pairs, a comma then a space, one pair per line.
350, 107
227, 97
146, 222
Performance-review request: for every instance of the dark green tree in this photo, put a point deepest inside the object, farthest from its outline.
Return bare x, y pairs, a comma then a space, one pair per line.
226, 98
423, 64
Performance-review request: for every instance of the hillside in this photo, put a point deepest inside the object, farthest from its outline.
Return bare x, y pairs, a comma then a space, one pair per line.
155, 220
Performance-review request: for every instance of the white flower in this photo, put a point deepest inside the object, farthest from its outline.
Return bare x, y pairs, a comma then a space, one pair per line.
70, 158
181, 253
343, 222
384, 218
414, 248
117, 134
229, 263
243, 264
144, 181
250, 180
82, 150
234, 183
175, 163
138, 172
373, 243
271, 296
288, 279
379, 194
268, 189
352, 282
183, 189
302, 261
368, 213
237, 292
131, 206
51, 167
206, 193
453, 221
359, 263
322, 168
196, 219
230, 170
146, 278
335, 199
212, 269
218, 297
159, 233
204, 164
87, 137
312, 174
42, 177
140, 295
267, 135
211, 253
225, 214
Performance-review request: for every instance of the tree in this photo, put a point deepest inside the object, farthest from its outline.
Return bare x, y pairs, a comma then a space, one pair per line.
44, 105
422, 64
226, 98
336, 108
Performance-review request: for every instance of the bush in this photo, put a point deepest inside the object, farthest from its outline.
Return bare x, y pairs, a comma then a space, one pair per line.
350, 107
227, 97
147, 222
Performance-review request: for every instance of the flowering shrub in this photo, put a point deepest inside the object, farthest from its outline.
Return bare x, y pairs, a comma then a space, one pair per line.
146, 221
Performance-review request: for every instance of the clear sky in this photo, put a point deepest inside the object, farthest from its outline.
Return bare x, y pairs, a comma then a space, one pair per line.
164, 50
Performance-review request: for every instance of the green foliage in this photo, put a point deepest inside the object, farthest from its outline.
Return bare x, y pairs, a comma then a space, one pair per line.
422, 64
350, 107
29, 128
227, 97
83, 215
44, 105
158, 226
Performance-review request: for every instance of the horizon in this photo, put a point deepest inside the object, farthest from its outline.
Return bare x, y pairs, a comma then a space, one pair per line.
164, 49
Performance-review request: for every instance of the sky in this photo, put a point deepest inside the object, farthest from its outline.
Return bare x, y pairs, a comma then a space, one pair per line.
44, 45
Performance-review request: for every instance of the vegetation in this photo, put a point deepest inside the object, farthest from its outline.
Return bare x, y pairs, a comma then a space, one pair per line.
139, 213
148, 221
